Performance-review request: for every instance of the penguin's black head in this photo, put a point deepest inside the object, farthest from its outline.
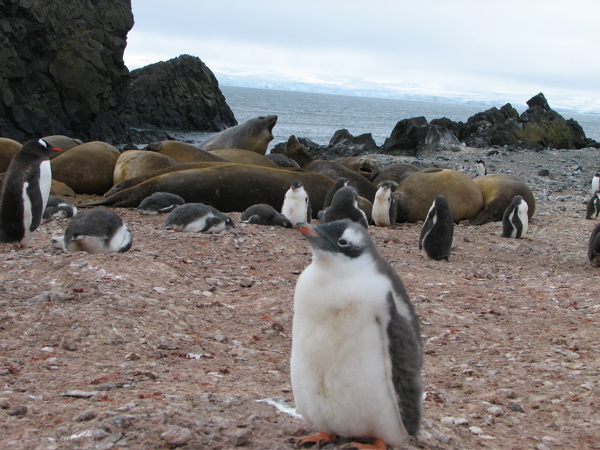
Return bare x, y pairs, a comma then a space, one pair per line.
338, 237
45, 146
296, 185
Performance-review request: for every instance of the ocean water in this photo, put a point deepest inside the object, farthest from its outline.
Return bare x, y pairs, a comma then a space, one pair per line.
318, 116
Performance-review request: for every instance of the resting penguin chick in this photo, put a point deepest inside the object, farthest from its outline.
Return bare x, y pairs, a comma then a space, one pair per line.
263, 214
340, 183
596, 182
197, 217
96, 230
296, 204
593, 206
345, 206
384, 205
25, 192
480, 168
160, 202
594, 246
515, 220
435, 240
58, 208
356, 347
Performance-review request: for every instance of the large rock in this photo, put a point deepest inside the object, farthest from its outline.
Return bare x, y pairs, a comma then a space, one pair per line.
62, 68
179, 94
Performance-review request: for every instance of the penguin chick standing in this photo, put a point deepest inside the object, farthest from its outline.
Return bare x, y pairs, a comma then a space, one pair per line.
25, 192
594, 246
97, 230
437, 233
480, 168
197, 217
356, 347
296, 204
340, 183
593, 206
59, 208
515, 220
385, 206
596, 182
344, 205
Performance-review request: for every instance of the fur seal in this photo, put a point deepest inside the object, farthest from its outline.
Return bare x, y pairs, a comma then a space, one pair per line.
94, 231
498, 191
253, 135
296, 151
416, 193
385, 207
25, 191
594, 246
159, 203
356, 355
395, 172
437, 233
133, 163
514, 220
593, 206
58, 208
263, 214
197, 218
345, 206
8, 149
87, 168
283, 161
367, 167
296, 204
183, 152
243, 157
227, 187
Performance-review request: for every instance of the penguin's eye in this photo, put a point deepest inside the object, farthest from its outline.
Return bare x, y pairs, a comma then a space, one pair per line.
343, 242
43, 143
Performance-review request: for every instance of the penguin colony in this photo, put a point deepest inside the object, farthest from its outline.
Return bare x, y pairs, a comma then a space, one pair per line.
348, 300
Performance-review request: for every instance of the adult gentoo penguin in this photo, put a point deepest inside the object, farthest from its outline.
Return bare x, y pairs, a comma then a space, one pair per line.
345, 206
594, 246
515, 220
96, 230
437, 233
596, 182
593, 206
296, 204
25, 192
480, 168
356, 346
197, 217
385, 207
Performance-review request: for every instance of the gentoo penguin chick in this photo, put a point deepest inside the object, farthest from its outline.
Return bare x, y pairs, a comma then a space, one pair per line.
344, 205
385, 206
340, 183
159, 203
594, 246
197, 217
596, 182
356, 347
25, 192
58, 208
263, 214
437, 233
97, 230
296, 204
593, 206
480, 168
515, 220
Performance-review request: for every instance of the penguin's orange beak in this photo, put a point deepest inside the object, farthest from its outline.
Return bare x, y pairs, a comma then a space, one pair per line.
307, 230
56, 149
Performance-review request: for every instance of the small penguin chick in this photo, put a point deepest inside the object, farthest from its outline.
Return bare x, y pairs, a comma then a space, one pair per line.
593, 206
59, 208
594, 246
263, 214
596, 181
385, 207
480, 168
344, 205
437, 233
515, 221
197, 217
296, 204
159, 203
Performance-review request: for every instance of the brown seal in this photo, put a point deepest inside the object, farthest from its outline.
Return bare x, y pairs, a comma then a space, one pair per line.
8, 149
87, 168
243, 157
395, 172
367, 167
498, 191
182, 152
134, 163
254, 135
416, 194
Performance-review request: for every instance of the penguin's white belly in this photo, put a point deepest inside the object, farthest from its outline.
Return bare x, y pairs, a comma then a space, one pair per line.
381, 212
199, 224
120, 240
522, 212
45, 182
340, 366
295, 209
27, 217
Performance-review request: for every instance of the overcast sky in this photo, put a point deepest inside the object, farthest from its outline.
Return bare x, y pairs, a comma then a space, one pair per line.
509, 49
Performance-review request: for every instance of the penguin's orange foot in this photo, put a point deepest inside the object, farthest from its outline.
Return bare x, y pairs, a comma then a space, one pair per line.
320, 439
378, 444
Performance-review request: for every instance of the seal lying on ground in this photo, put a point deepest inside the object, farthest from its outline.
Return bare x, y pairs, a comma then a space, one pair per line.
366, 167
254, 135
133, 163
182, 152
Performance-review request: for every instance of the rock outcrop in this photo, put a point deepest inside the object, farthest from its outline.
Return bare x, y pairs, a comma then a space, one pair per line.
179, 94
62, 68
416, 137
